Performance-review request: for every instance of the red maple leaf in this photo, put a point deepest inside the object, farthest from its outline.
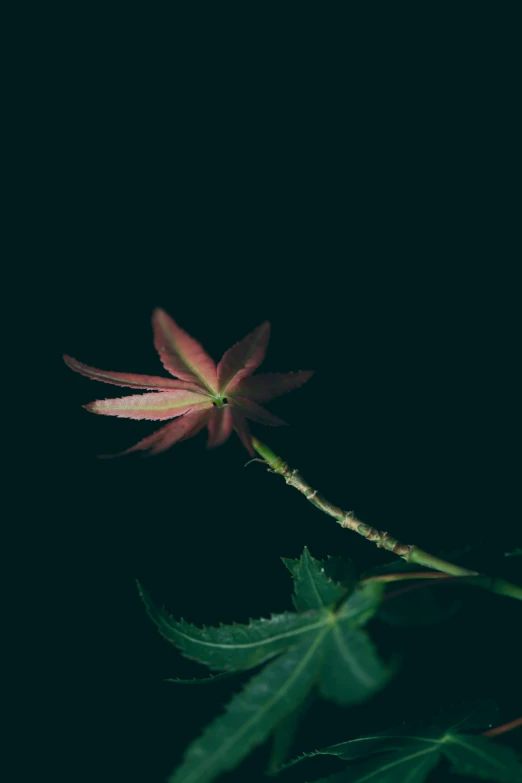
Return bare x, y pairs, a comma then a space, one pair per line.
221, 398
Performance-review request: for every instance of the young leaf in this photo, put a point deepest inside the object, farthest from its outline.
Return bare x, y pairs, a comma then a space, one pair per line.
236, 647
181, 354
352, 670
218, 396
252, 714
312, 588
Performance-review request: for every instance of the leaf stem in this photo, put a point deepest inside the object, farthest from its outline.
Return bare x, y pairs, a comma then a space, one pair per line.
502, 729
408, 552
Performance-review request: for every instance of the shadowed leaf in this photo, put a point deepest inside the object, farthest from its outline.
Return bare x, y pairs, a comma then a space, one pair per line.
268, 386
407, 754
362, 603
469, 716
352, 671
482, 758
284, 734
340, 570
252, 714
219, 426
256, 412
415, 607
242, 429
181, 428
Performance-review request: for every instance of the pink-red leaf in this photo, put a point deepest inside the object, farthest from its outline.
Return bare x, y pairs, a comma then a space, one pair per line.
181, 355
267, 386
255, 412
219, 426
129, 379
243, 358
241, 427
180, 429
154, 406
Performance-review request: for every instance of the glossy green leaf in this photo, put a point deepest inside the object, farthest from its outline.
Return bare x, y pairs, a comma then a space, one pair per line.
236, 647
252, 714
313, 589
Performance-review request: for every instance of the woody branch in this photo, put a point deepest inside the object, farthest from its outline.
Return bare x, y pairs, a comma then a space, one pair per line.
408, 552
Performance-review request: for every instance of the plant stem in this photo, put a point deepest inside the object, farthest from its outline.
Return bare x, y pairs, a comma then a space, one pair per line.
408, 552
502, 729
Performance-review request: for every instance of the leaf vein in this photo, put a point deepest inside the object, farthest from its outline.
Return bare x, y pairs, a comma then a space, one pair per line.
260, 712
263, 642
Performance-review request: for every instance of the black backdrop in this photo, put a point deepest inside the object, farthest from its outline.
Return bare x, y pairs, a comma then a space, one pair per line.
366, 212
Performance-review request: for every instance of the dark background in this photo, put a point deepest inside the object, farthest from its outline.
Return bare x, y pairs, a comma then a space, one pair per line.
358, 191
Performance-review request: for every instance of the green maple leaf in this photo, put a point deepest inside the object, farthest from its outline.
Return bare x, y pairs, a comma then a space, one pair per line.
236, 647
313, 588
322, 644
407, 754
252, 714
